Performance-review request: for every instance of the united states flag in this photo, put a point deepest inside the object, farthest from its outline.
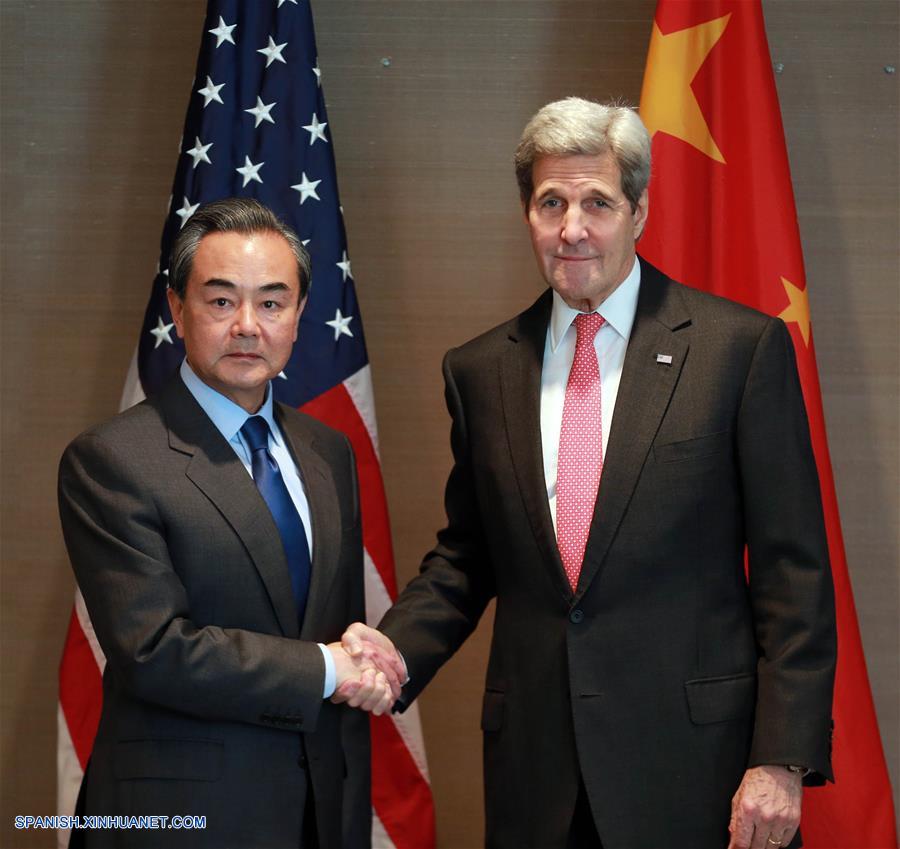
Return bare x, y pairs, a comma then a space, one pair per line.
257, 126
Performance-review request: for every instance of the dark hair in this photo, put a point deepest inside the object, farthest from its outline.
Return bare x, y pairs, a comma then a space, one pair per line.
232, 215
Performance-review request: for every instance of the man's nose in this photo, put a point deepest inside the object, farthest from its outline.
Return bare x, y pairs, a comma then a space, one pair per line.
245, 323
574, 228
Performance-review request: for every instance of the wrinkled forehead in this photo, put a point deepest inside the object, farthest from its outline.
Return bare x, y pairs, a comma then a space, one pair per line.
244, 257
576, 171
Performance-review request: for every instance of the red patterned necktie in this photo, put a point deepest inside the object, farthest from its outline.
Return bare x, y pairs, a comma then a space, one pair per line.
580, 449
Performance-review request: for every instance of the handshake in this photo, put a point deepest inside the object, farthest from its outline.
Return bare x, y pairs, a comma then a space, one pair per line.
370, 671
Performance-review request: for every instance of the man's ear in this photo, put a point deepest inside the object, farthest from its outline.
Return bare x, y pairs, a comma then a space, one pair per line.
176, 307
300, 309
641, 211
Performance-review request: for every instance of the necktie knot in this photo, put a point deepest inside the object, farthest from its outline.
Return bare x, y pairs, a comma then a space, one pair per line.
587, 325
256, 433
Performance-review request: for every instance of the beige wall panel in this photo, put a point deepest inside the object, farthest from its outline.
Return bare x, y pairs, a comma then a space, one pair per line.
93, 99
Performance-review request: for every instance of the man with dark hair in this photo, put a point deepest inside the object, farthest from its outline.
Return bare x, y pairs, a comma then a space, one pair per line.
215, 536
616, 448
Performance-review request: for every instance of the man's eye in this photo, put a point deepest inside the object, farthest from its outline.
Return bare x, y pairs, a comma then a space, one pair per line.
599, 203
270, 305
551, 203
221, 302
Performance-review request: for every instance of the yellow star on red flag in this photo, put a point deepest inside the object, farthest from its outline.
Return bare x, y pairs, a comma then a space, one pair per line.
668, 103
798, 309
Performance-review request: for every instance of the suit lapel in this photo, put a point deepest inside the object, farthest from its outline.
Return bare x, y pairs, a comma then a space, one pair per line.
520, 386
216, 470
325, 512
644, 393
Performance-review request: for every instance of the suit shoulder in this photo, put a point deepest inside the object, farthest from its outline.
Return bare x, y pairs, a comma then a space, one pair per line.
483, 342
310, 427
716, 306
130, 427
124, 447
672, 298
494, 341
731, 324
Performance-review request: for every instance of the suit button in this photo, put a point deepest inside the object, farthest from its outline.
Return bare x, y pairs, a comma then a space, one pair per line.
301, 761
576, 617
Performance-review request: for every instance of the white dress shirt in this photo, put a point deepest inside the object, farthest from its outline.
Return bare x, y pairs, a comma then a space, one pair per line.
229, 418
610, 343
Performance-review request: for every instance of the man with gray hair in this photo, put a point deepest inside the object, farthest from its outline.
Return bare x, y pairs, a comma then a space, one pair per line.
215, 535
617, 447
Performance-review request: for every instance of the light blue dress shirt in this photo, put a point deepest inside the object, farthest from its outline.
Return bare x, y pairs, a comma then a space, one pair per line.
229, 418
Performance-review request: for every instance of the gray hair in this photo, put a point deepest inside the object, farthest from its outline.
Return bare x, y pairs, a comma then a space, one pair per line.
573, 127
232, 215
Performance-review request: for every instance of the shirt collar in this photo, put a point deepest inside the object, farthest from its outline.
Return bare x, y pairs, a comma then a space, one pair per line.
227, 416
618, 310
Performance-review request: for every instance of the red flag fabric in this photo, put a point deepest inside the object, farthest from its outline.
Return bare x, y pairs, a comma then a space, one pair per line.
722, 218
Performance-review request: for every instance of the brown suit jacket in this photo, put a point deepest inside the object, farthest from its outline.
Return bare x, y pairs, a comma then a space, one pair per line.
666, 674
212, 696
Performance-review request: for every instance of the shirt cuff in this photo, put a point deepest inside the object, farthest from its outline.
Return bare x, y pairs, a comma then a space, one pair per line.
330, 672
405, 680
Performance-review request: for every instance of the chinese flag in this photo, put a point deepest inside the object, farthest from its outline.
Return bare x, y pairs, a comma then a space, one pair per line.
722, 219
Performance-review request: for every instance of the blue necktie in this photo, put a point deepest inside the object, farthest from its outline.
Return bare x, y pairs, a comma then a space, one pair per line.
271, 486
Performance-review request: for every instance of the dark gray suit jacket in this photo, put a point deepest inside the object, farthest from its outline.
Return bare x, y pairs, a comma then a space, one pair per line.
666, 674
212, 696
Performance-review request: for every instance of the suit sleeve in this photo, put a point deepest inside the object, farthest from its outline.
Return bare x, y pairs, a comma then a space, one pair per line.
440, 608
791, 591
140, 611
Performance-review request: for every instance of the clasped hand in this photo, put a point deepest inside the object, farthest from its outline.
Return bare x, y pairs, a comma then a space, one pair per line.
370, 672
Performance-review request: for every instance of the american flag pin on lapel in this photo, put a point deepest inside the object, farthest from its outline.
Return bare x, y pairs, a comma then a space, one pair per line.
664, 358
